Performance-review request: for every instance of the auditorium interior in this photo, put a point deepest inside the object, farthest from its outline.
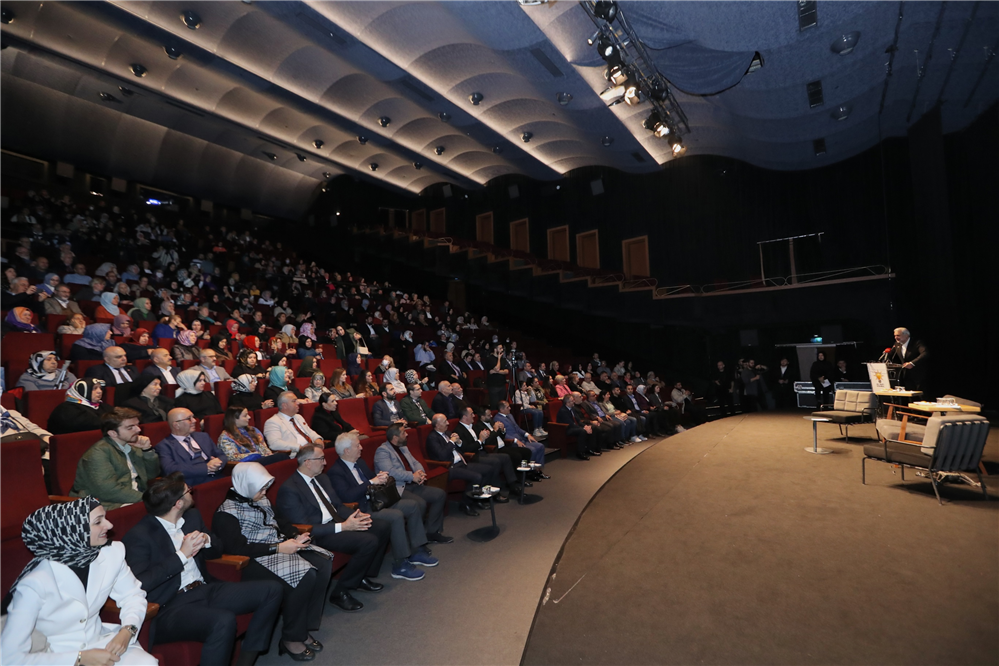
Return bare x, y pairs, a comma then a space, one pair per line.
753, 241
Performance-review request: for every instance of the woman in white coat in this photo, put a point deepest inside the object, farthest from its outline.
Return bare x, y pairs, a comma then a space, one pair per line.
60, 593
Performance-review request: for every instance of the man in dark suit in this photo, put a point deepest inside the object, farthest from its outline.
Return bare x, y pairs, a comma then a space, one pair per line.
414, 408
457, 398
449, 370
473, 442
782, 379
307, 497
386, 411
912, 354
115, 372
161, 367
167, 551
444, 447
352, 479
442, 403
585, 440
191, 453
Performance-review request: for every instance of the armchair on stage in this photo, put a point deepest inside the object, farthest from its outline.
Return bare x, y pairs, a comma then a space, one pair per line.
850, 408
951, 443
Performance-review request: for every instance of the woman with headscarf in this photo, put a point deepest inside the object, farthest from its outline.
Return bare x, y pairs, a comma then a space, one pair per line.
306, 349
142, 310
308, 367
74, 571
194, 393
108, 309
413, 377
121, 325
82, 410
307, 330
281, 380
339, 386
252, 342
287, 334
392, 377
279, 359
147, 400
168, 327
138, 345
220, 343
247, 526
73, 326
125, 300
44, 373
247, 364
244, 394
317, 387
186, 348
240, 441
18, 320
198, 328
96, 338
231, 329
49, 284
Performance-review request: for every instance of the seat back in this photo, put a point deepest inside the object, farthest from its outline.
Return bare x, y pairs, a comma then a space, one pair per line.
261, 415
156, 431
223, 391
20, 346
125, 518
39, 404
955, 441
23, 484
854, 401
65, 452
280, 471
209, 496
353, 412
213, 426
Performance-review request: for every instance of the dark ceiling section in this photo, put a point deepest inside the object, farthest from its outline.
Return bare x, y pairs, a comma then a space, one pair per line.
230, 109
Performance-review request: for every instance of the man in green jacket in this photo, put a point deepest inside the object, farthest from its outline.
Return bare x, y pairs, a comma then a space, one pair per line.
414, 408
118, 468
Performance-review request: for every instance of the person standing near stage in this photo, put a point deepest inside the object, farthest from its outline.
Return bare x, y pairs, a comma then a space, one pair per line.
912, 354
499, 373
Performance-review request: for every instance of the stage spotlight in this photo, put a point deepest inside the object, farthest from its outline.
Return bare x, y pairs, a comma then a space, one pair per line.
127, 92
301, 157
632, 95
318, 143
606, 10
613, 95
616, 75
271, 156
660, 91
592, 39
497, 149
609, 52
327, 175
373, 166
475, 98
844, 45
190, 19
439, 150
108, 97
7, 16
676, 144
526, 137
563, 98
384, 121
841, 112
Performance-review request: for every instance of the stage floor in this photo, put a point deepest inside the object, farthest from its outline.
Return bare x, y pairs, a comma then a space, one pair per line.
729, 544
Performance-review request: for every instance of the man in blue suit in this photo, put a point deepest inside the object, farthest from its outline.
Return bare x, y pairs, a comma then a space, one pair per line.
192, 453
352, 479
386, 411
167, 551
516, 435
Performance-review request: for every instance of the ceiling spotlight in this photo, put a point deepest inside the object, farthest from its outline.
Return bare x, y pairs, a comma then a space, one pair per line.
592, 39
318, 143
271, 156
301, 157
632, 95
660, 91
563, 98
444, 116
613, 95
6, 16
616, 75
526, 137
475, 98
327, 175
190, 19
609, 51
417, 165
845, 44
676, 144
497, 149
172, 51
373, 166
841, 112
138, 69
384, 121
439, 150
127, 92
362, 140
607, 141
654, 123
108, 97
605, 9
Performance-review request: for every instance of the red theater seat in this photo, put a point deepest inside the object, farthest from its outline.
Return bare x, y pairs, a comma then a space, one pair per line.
65, 452
354, 412
156, 432
213, 426
39, 404
260, 416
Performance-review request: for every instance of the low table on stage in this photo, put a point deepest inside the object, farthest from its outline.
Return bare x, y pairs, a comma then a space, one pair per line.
815, 434
524, 497
489, 532
937, 408
896, 398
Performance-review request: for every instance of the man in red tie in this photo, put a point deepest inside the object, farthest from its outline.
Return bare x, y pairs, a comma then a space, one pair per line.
287, 430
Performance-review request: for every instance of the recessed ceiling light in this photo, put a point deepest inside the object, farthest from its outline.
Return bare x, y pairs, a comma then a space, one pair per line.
318, 143
373, 166
301, 157
475, 98
190, 19
497, 149
845, 44
108, 97
384, 121
327, 175
138, 69
607, 140
417, 165
439, 150
172, 51
7, 16
362, 140
563, 98
841, 112
127, 92
444, 116
526, 137
270, 155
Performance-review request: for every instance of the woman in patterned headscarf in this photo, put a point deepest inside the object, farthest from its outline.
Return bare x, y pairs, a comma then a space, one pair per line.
247, 525
244, 394
44, 373
82, 409
70, 544
186, 348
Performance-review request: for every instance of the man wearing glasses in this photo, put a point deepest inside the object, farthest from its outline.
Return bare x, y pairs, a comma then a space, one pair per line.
194, 454
213, 372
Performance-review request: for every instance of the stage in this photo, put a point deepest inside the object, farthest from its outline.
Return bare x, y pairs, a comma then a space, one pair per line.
729, 544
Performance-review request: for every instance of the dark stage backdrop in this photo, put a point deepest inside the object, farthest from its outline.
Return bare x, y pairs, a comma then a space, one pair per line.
925, 205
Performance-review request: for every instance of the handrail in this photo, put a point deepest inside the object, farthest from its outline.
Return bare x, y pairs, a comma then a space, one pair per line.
801, 279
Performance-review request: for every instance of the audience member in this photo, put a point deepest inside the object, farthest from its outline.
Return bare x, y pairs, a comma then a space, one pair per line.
189, 452
161, 366
60, 302
115, 370
213, 373
583, 432
386, 411
82, 410
244, 394
119, 467
241, 442
414, 408
193, 393
394, 458
517, 436
147, 399
327, 420
44, 373
287, 430
445, 447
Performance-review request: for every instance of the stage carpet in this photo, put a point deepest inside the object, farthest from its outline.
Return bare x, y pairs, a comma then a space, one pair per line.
729, 544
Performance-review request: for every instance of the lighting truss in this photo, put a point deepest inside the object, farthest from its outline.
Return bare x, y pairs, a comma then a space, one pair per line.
653, 86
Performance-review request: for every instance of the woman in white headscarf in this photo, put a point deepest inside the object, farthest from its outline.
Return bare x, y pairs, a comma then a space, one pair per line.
247, 525
194, 393
392, 377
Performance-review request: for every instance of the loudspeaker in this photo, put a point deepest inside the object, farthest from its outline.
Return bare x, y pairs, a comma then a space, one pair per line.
597, 186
